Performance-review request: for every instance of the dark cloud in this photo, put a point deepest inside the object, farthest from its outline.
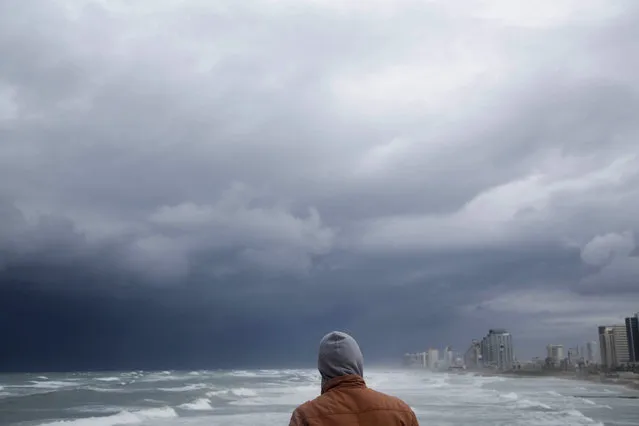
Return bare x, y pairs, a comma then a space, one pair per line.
206, 184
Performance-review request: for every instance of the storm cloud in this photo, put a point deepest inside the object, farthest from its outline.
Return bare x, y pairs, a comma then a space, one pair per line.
197, 183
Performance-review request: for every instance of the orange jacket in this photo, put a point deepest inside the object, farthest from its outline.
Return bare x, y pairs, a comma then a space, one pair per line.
346, 401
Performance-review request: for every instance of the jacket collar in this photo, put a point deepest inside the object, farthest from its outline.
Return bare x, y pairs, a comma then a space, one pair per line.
341, 382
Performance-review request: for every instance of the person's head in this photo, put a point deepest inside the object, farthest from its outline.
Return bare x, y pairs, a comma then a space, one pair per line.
339, 355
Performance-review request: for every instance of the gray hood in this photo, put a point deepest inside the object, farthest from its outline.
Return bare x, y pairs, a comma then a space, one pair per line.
339, 355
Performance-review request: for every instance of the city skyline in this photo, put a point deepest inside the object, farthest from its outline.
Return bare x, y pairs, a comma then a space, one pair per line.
618, 345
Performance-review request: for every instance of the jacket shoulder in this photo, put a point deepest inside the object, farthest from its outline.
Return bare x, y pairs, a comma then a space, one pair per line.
352, 401
388, 402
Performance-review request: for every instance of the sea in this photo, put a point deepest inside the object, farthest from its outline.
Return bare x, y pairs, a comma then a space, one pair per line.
267, 397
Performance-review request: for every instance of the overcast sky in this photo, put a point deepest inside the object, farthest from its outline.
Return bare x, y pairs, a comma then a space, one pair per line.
206, 182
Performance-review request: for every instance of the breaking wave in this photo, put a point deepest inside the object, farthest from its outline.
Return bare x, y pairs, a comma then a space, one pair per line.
121, 418
202, 404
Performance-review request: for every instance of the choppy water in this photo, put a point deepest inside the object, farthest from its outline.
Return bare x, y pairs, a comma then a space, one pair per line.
267, 397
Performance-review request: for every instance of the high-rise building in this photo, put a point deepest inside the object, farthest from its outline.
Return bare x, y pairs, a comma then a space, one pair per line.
433, 358
607, 347
591, 352
613, 345
472, 357
415, 359
555, 353
632, 332
497, 349
448, 353
621, 344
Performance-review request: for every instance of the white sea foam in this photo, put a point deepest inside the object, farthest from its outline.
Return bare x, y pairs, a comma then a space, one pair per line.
121, 418
50, 384
252, 402
108, 379
511, 396
201, 404
243, 392
105, 409
283, 396
578, 415
587, 401
561, 418
239, 419
186, 388
526, 403
553, 393
243, 373
106, 390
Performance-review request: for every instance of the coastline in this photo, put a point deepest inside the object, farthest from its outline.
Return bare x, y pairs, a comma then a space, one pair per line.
627, 382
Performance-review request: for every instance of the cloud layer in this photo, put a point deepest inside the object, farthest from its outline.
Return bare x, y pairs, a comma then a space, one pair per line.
407, 167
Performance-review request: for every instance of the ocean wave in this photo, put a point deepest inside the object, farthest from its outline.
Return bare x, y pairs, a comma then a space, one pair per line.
553, 393
275, 373
243, 373
121, 418
256, 402
587, 401
109, 379
202, 404
243, 392
49, 384
93, 409
235, 392
578, 415
526, 403
487, 379
106, 390
186, 388
565, 418
511, 396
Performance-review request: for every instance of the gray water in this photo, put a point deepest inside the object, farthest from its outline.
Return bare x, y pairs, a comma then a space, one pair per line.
267, 397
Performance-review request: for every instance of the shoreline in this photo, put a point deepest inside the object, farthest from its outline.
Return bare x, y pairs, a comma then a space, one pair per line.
628, 383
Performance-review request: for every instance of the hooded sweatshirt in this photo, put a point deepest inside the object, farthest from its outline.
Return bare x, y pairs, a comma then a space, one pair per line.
339, 355
345, 398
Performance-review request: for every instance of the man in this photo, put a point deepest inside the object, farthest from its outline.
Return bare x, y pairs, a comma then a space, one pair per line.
345, 400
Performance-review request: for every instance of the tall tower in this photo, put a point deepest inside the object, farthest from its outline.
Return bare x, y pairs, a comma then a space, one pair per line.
632, 332
607, 347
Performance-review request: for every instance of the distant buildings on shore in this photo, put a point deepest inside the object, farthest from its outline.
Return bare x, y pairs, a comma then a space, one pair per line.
431, 359
618, 348
632, 331
555, 353
473, 358
494, 351
497, 350
619, 344
591, 352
